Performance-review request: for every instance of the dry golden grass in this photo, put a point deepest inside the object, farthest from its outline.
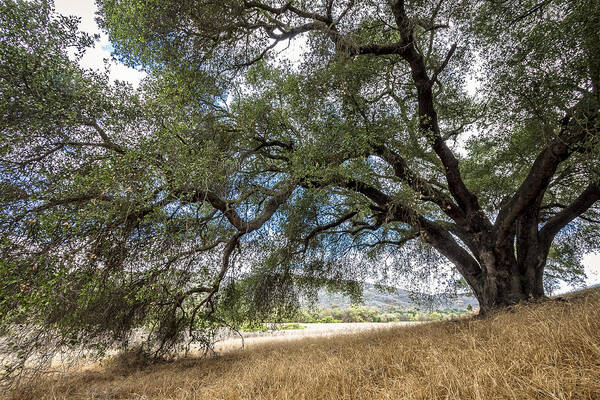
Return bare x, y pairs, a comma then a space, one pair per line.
549, 350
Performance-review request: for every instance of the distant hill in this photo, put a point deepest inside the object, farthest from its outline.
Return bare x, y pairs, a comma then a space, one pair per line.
397, 299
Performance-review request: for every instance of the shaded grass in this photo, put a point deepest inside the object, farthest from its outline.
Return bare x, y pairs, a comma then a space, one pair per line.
549, 350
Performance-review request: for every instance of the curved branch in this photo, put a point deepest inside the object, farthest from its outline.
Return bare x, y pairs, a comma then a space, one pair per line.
47, 153
212, 290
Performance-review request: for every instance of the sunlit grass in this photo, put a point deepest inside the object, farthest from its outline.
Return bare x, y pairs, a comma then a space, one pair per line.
549, 350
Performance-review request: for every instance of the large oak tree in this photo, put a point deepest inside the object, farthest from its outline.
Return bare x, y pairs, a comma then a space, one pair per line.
462, 133
380, 95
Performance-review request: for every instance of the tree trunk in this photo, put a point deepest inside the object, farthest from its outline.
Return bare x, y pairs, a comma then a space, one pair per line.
507, 281
500, 290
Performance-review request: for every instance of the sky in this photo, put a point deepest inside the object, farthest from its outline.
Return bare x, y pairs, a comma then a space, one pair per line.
94, 58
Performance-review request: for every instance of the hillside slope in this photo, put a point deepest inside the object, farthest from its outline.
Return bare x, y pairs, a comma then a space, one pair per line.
549, 350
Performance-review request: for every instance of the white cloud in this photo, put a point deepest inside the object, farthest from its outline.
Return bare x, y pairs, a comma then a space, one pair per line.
94, 58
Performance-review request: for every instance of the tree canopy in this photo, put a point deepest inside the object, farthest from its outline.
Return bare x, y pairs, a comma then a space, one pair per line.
410, 137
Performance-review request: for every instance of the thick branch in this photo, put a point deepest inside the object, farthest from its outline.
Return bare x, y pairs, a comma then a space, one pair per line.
287, 7
376, 49
231, 214
582, 203
443, 242
420, 185
428, 120
370, 192
431, 232
434, 78
540, 174
104, 136
51, 203
399, 243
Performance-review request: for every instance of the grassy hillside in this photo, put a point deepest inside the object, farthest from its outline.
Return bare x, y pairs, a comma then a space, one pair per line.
543, 351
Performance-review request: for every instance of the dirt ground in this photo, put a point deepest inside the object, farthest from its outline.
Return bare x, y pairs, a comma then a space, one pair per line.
235, 342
